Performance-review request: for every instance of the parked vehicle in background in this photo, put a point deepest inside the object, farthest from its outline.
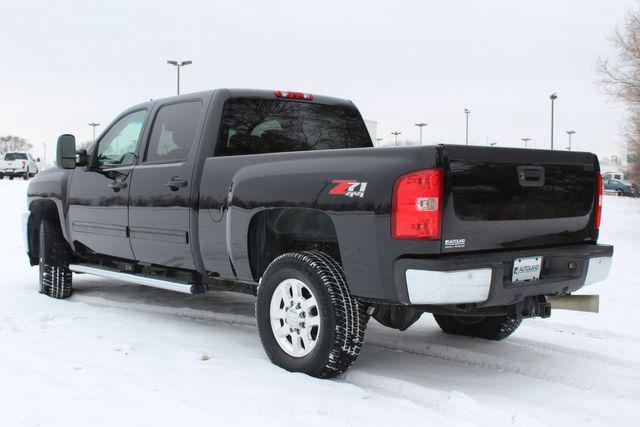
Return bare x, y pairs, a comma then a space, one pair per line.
282, 195
622, 188
620, 176
18, 163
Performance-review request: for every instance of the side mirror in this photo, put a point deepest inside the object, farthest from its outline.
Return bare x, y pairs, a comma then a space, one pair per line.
38, 159
66, 151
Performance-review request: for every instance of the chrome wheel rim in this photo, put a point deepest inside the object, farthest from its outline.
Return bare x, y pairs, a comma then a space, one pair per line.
295, 317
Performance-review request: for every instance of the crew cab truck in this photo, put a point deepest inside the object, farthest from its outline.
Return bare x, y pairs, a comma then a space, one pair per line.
18, 163
282, 195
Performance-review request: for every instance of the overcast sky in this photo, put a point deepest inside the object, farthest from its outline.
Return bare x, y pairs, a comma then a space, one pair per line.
66, 64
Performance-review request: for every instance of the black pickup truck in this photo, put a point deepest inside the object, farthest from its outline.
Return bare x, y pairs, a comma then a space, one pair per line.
281, 195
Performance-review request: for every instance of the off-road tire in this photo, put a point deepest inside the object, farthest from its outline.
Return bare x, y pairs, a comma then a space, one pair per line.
491, 327
55, 276
343, 319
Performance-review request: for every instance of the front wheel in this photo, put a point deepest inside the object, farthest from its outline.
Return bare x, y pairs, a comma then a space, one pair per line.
307, 319
55, 276
490, 327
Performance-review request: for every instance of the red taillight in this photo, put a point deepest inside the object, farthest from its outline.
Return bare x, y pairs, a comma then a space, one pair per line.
599, 192
24, 162
416, 209
293, 95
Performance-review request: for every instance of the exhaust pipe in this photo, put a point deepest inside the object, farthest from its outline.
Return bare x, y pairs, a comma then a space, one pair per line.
587, 303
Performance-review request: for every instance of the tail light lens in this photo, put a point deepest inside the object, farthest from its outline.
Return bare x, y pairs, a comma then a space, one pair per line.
599, 192
24, 163
416, 211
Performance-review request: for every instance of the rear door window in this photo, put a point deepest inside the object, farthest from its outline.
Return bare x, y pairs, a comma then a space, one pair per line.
256, 126
174, 132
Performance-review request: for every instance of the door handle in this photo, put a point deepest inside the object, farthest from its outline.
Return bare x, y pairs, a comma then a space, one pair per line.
175, 183
118, 185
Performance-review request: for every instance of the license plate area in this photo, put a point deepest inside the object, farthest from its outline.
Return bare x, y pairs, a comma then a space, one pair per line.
526, 269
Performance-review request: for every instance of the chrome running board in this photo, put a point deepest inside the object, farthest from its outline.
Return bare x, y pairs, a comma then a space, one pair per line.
185, 288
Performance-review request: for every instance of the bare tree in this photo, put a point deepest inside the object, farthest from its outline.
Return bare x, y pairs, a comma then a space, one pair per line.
620, 76
13, 143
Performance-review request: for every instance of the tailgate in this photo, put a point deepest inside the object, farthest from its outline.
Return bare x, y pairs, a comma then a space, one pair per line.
515, 198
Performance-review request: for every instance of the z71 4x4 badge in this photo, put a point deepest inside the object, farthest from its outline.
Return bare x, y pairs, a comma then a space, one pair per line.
348, 187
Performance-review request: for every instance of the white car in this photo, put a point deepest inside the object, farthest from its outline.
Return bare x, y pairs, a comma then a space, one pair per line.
18, 163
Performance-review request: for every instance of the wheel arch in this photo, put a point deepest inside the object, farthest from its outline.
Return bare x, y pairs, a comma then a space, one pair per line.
40, 209
273, 232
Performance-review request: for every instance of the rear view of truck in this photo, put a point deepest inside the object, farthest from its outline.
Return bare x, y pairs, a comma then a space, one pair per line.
518, 231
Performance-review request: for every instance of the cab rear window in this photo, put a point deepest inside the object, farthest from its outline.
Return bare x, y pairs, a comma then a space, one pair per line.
15, 156
257, 126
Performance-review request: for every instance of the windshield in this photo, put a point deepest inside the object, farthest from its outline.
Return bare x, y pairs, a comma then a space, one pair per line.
15, 156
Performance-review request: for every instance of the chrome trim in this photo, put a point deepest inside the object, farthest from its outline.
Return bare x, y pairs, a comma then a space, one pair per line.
448, 287
132, 278
25, 230
597, 270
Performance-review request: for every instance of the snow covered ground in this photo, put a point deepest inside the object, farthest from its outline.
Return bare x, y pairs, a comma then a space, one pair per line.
120, 354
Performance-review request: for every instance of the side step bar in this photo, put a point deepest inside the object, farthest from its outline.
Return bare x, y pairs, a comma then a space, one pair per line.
185, 288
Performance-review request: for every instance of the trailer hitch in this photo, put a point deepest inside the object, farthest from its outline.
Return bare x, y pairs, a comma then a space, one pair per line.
536, 306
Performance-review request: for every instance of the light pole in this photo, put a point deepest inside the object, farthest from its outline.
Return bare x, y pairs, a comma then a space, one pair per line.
396, 133
553, 98
526, 142
378, 140
179, 64
421, 125
570, 132
466, 139
94, 126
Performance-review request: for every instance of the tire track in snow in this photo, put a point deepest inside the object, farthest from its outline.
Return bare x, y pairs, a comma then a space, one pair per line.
500, 364
454, 405
620, 389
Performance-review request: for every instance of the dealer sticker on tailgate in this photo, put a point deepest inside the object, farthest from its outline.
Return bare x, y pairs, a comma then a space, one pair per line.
526, 269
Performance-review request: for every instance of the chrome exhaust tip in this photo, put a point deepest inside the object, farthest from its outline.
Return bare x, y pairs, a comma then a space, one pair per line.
585, 303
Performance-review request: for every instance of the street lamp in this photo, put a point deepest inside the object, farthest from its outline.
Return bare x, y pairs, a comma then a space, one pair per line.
553, 98
421, 125
378, 140
467, 112
570, 132
94, 126
526, 141
396, 133
179, 64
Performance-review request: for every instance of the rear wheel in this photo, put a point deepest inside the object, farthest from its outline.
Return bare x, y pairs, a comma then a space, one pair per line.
10, 177
55, 276
490, 327
307, 319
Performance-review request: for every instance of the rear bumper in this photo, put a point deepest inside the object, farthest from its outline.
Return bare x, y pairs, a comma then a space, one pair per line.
485, 279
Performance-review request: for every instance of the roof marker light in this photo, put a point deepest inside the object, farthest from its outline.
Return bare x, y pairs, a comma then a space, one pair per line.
293, 95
